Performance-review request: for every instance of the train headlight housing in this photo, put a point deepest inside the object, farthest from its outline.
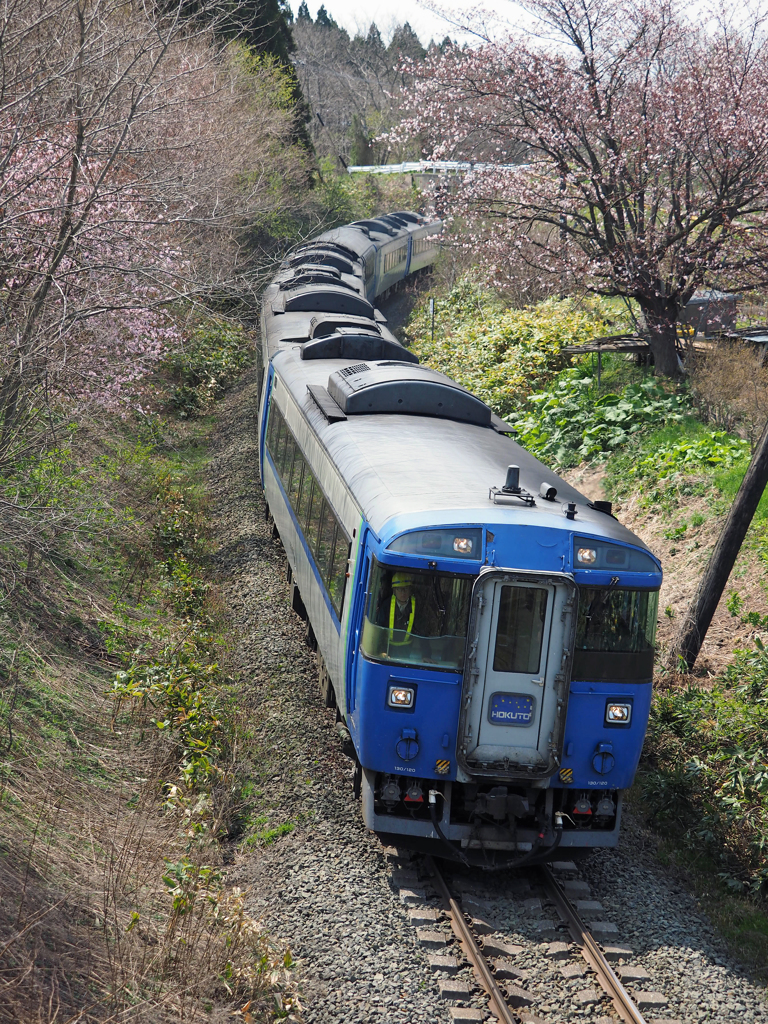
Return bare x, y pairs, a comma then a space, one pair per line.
401, 696
618, 713
586, 556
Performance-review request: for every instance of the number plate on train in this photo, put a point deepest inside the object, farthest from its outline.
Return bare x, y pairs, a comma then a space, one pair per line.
511, 709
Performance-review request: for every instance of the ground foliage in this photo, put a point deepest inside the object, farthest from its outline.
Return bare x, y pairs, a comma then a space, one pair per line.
123, 764
705, 770
206, 364
504, 355
573, 421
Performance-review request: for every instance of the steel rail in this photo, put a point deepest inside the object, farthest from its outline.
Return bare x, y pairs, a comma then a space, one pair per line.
591, 952
498, 1004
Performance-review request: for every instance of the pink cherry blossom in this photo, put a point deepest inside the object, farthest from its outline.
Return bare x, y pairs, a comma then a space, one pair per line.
640, 141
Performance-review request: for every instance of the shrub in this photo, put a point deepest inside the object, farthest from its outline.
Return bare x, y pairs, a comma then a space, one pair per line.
211, 360
503, 355
729, 385
706, 767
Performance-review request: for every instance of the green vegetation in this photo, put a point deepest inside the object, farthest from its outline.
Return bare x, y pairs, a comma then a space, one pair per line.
120, 728
703, 786
333, 199
348, 197
504, 355
704, 778
706, 770
215, 355
572, 421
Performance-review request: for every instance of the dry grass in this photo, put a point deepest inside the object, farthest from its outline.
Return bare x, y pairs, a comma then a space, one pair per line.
684, 561
114, 905
729, 384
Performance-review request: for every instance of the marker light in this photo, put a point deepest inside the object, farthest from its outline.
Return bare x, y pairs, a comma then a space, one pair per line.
400, 697
618, 714
586, 556
463, 545
616, 555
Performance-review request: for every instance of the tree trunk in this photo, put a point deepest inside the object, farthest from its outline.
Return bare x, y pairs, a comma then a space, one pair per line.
660, 322
704, 604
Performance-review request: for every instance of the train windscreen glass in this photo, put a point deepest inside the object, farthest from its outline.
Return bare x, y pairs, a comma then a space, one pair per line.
616, 620
416, 617
520, 629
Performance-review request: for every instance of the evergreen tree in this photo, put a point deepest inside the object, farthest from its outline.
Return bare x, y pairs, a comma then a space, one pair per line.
405, 43
373, 39
324, 19
263, 26
303, 12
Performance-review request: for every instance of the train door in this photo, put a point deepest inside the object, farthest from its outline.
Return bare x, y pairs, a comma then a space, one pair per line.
357, 598
517, 674
266, 393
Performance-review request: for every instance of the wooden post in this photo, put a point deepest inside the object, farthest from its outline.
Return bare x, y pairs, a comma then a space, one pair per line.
712, 585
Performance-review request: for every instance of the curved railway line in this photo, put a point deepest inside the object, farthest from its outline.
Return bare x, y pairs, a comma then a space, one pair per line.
472, 947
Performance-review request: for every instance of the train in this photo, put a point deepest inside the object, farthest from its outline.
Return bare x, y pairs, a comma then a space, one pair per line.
485, 632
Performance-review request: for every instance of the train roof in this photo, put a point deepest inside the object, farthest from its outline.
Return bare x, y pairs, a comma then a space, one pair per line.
402, 466
360, 236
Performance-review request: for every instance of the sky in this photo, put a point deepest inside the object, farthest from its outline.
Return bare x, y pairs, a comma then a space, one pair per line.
356, 15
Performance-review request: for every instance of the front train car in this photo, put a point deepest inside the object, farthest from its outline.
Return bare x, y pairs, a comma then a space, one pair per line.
501, 656
507, 715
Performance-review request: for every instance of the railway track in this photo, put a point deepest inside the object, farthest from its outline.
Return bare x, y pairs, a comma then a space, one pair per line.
581, 937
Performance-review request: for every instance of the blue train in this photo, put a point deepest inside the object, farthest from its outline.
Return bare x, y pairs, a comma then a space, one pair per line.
485, 632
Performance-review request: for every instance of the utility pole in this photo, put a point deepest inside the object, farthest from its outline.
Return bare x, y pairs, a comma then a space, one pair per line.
704, 604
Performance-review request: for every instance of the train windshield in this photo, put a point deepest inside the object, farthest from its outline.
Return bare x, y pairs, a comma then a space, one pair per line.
616, 620
416, 617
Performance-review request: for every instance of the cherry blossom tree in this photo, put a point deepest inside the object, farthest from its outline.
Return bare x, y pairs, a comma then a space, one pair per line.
135, 150
641, 141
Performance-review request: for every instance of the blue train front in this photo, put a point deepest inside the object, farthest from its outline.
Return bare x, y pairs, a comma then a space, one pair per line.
516, 720
485, 632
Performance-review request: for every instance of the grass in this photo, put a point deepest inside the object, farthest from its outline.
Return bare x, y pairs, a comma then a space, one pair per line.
124, 750
741, 922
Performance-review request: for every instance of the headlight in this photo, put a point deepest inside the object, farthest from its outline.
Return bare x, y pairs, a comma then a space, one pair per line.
586, 556
618, 714
401, 697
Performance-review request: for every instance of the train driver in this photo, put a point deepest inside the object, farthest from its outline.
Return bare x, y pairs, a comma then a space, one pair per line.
403, 615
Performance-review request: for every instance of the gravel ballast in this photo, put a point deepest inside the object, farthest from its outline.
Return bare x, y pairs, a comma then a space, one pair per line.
327, 886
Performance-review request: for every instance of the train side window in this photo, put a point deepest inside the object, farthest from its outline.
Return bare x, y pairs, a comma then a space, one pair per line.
294, 484
338, 572
313, 517
322, 531
274, 426
325, 541
304, 495
289, 453
370, 263
279, 450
